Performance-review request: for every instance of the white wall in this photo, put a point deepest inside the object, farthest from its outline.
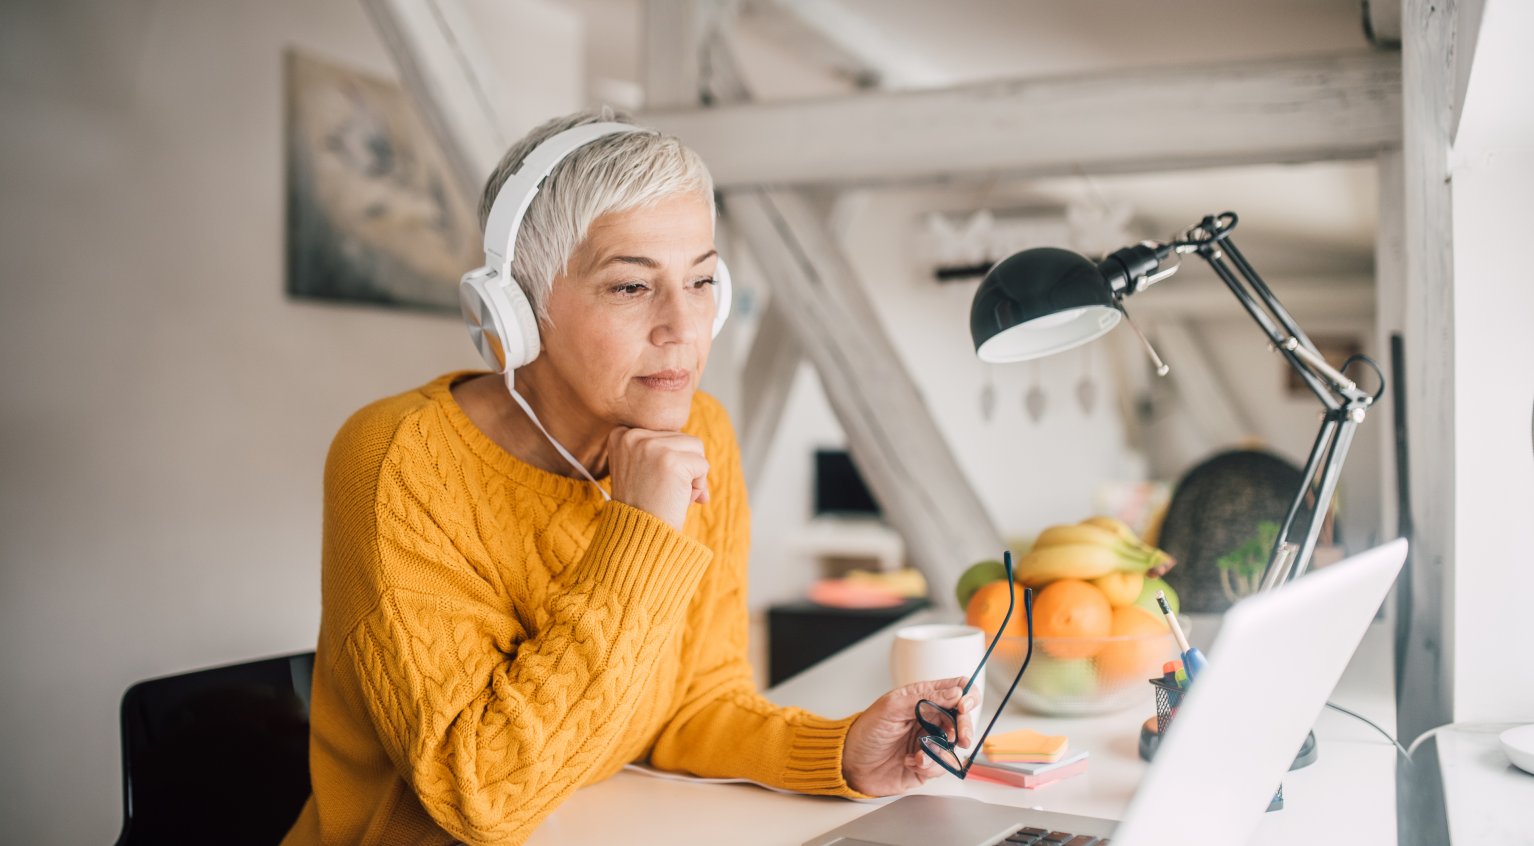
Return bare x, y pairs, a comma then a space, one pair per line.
166, 409
1493, 177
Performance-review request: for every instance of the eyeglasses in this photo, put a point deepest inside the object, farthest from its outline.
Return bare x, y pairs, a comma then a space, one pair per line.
942, 724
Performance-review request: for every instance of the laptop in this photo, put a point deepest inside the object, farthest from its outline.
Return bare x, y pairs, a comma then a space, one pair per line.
1277, 658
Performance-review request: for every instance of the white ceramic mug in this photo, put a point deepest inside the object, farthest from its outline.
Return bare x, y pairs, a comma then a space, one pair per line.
939, 651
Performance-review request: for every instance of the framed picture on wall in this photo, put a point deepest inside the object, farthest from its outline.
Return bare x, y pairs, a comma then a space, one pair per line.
373, 214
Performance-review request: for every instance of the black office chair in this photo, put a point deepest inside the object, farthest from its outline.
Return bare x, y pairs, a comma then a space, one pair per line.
218, 755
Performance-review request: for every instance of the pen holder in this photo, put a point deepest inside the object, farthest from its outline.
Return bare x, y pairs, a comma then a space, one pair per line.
1168, 697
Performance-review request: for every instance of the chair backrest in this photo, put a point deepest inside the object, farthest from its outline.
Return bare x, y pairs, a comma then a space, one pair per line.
218, 755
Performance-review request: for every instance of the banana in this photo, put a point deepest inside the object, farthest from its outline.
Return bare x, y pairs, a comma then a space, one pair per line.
1155, 557
1079, 533
1132, 556
1066, 561
1113, 525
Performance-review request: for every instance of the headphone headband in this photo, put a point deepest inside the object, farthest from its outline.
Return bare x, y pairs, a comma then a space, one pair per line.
521, 187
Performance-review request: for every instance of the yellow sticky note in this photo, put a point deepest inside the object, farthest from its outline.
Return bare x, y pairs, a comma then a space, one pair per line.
1028, 743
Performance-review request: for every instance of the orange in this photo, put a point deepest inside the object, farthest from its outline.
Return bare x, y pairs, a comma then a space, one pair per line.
989, 605
1140, 653
1074, 610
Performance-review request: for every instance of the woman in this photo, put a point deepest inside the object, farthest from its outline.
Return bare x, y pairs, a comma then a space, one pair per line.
496, 631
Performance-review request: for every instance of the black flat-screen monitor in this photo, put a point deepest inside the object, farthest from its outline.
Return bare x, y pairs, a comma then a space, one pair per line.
839, 489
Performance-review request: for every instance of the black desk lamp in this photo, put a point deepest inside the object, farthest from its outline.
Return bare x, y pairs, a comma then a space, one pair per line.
1046, 300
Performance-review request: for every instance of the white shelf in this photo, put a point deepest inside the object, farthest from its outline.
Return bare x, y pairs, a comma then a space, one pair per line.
826, 538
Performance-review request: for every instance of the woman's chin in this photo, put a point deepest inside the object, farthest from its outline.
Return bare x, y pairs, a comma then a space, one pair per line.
664, 413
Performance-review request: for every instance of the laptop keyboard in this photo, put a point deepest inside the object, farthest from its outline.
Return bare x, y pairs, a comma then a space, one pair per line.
1043, 837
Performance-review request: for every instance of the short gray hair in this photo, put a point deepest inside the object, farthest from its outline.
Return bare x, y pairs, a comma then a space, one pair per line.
612, 174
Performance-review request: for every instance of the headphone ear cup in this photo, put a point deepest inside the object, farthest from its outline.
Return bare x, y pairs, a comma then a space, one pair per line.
500, 320
721, 295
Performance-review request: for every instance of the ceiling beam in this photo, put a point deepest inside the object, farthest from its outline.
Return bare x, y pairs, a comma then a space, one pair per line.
1135, 121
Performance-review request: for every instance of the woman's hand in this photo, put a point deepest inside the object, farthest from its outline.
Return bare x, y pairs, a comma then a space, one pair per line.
882, 755
658, 472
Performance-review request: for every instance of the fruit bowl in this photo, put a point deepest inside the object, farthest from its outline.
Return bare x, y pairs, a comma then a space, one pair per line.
1081, 676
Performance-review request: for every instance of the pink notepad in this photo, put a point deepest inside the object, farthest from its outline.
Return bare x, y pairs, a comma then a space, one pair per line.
1001, 775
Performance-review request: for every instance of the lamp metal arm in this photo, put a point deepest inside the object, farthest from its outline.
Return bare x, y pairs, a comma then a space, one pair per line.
1133, 269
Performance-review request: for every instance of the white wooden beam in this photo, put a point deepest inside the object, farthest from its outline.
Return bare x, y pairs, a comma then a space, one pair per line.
891, 433
444, 70
1156, 119
672, 56
1429, 69
766, 381
458, 85
1467, 34
818, 33
1424, 629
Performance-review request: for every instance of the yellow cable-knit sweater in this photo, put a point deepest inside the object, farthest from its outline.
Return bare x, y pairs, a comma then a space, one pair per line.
494, 636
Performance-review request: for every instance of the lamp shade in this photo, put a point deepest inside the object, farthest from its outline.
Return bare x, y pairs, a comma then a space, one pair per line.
1040, 302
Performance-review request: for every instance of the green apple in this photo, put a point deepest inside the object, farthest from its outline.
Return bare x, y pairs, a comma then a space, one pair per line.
976, 577
1057, 678
1147, 597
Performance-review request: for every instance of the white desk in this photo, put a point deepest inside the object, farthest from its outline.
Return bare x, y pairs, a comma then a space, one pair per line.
1488, 800
1348, 796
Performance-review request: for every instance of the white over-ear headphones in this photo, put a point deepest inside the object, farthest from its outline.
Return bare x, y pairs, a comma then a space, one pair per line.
500, 319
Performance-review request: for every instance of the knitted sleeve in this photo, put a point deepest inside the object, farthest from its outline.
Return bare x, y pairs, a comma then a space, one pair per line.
492, 728
725, 728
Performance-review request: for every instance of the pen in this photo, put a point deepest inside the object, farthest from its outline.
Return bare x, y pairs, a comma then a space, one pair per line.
1192, 659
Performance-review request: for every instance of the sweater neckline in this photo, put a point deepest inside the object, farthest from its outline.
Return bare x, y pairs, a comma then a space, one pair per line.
440, 391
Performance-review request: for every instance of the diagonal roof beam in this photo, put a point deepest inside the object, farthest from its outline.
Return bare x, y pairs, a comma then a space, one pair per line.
443, 69
823, 34
890, 429
1135, 121
457, 81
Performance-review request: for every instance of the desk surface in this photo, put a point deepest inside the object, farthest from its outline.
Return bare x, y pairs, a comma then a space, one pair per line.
1488, 799
1348, 796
